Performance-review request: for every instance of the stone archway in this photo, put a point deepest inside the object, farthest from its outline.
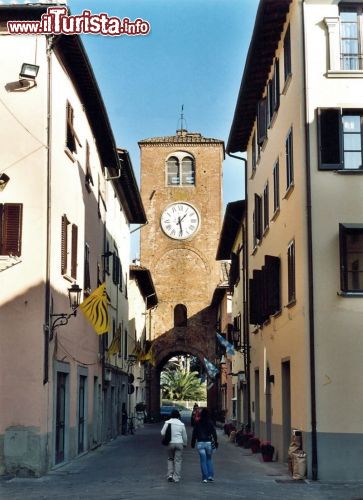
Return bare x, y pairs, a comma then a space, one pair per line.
172, 344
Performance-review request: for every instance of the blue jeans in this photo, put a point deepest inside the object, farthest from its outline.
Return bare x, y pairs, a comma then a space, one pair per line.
205, 455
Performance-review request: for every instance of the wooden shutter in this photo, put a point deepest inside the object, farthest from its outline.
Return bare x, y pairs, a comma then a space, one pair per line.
87, 275
64, 245
330, 137
276, 85
11, 228
343, 258
273, 285
261, 121
258, 217
74, 251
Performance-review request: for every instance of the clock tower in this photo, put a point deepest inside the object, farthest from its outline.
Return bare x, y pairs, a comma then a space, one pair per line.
181, 189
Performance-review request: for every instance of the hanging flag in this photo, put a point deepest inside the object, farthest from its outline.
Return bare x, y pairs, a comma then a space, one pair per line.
211, 369
226, 344
95, 308
203, 378
115, 346
210, 385
149, 356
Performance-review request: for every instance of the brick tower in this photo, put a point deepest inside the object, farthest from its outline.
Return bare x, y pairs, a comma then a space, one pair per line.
181, 189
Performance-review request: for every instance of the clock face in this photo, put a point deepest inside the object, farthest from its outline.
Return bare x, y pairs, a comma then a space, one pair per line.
180, 221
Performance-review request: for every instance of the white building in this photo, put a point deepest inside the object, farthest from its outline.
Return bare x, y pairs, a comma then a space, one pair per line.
62, 222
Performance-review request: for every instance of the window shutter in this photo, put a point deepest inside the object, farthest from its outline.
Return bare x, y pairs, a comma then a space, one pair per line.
261, 121
64, 244
272, 265
11, 228
74, 251
253, 311
276, 85
343, 258
330, 139
258, 216
120, 276
87, 276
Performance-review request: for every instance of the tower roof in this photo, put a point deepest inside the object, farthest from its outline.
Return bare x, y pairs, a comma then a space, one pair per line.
182, 136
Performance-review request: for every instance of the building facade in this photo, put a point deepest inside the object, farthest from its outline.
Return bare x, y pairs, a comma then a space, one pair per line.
181, 191
301, 105
65, 211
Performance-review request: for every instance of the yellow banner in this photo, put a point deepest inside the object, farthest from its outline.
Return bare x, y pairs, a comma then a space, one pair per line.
95, 308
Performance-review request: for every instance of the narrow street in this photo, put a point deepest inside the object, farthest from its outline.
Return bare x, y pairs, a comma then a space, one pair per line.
134, 467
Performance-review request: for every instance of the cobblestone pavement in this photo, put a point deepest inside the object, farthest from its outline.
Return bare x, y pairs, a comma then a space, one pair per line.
134, 467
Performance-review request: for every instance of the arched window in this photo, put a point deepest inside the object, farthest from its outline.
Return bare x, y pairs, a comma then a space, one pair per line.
173, 171
187, 172
180, 315
180, 170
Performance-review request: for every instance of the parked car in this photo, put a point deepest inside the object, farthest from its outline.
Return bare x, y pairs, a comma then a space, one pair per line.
165, 411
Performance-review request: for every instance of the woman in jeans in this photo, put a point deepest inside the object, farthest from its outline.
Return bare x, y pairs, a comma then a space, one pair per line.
203, 433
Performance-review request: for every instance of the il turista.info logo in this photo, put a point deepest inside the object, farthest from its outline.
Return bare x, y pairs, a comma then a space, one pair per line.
57, 21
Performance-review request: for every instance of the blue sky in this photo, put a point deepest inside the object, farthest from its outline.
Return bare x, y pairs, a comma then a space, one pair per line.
194, 55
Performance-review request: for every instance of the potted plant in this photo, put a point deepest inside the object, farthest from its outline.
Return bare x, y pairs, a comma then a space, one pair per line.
267, 451
254, 444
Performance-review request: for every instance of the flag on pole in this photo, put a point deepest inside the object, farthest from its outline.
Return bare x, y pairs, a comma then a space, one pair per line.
211, 369
226, 344
148, 356
95, 308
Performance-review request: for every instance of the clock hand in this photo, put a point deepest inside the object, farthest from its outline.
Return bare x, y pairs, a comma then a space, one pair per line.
181, 227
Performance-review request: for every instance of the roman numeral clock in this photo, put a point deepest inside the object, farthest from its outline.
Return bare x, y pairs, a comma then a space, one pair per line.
181, 194
180, 221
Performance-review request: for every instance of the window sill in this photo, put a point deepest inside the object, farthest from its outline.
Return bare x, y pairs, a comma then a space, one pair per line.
69, 153
265, 231
287, 84
290, 304
252, 174
289, 191
69, 278
254, 250
344, 74
350, 171
277, 314
350, 295
275, 214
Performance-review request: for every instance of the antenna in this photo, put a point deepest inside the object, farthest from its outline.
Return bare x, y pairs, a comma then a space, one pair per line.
182, 122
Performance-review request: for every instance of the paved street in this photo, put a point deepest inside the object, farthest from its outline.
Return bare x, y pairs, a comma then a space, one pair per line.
134, 467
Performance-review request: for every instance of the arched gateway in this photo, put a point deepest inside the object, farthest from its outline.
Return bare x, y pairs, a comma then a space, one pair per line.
179, 246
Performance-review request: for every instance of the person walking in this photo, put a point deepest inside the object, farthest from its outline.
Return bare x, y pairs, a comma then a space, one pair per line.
178, 441
203, 434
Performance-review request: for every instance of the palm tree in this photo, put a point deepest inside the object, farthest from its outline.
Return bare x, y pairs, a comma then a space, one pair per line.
181, 385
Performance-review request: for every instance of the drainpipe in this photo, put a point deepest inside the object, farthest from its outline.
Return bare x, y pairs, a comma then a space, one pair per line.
314, 452
46, 327
246, 326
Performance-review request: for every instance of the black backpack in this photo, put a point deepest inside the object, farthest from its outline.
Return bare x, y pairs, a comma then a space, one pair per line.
167, 436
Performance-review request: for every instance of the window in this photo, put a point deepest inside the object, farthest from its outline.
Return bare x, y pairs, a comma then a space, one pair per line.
126, 344
289, 161
180, 315
11, 220
261, 121
115, 268
71, 136
291, 273
351, 37
351, 257
237, 331
87, 276
180, 170
234, 273
88, 178
274, 92
265, 291
254, 155
69, 244
340, 135
266, 216
257, 220
276, 186
287, 54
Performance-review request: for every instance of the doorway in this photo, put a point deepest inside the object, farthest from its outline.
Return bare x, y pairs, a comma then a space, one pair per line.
60, 417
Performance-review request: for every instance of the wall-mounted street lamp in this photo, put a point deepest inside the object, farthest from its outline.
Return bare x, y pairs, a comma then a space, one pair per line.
28, 73
61, 319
